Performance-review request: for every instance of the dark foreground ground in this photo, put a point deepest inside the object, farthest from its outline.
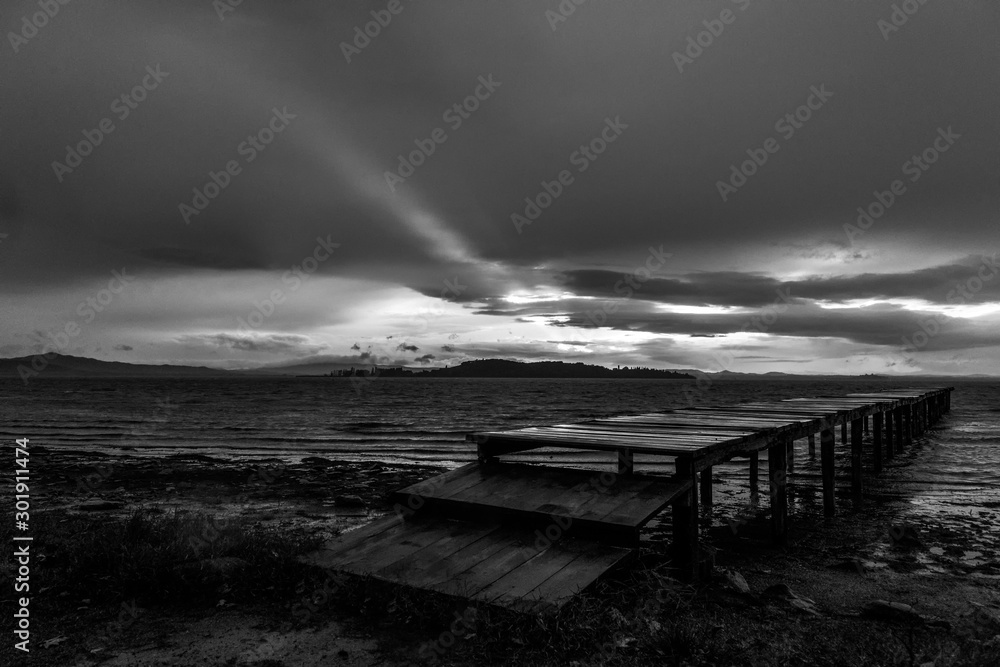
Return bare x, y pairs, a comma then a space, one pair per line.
192, 561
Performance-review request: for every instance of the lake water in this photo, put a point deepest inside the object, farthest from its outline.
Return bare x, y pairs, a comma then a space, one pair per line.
950, 476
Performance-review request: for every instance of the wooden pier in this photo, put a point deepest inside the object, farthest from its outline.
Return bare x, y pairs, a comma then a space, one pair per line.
530, 537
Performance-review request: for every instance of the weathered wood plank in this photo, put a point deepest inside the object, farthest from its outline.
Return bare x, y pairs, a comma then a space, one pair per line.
567, 582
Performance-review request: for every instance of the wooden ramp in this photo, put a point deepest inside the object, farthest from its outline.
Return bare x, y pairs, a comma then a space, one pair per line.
607, 506
526, 537
489, 562
531, 537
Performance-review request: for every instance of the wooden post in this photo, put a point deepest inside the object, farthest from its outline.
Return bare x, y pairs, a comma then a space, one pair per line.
812, 444
877, 440
754, 473
706, 486
626, 462
843, 433
908, 424
790, 454
899, 435
826, 438
857, 481
890, 435
685, 522
779, 493
865, 418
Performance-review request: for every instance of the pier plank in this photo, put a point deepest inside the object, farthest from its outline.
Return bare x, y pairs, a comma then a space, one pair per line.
530, 537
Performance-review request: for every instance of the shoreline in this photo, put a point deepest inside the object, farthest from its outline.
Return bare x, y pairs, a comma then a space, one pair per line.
815, 595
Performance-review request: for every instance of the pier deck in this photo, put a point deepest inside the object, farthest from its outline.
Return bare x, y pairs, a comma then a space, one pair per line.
530, 537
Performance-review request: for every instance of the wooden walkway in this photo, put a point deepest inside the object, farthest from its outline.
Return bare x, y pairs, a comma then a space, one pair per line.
530, 537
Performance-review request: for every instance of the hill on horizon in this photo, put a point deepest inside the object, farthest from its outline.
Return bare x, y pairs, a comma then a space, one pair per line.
64, 365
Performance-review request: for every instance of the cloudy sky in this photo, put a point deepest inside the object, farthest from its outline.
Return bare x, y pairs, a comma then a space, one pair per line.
668, 184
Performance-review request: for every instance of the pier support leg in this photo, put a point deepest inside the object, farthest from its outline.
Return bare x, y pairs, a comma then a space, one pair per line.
706, 486
790, 455
754, 474
685, 524
877, 440
843, 433
899, 436
857, 477
826, 439
890, 435
779, 492
911, 432
865, 421
626, 462
812, 444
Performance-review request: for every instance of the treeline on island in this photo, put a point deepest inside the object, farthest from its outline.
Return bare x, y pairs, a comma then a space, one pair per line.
503, 368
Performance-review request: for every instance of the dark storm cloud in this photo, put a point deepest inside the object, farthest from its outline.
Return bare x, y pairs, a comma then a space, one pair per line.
446, 232
406, 347
730, 288
425, 359
875, 325
325, 172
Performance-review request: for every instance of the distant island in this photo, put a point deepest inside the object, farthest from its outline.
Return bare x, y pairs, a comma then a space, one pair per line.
504, 368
